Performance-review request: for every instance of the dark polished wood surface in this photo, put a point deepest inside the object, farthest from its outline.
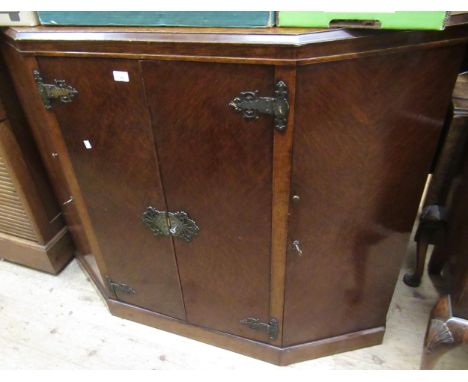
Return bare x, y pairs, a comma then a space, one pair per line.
432, 223
281, 183
265, 352
216, 166
275, 46
39, 122
2, 112
448, 267
365, 135
32, 229
45, 206
454, 247
118, 176
459, 248
365, 120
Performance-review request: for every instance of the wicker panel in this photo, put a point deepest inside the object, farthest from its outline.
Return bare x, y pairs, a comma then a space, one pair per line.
13, 218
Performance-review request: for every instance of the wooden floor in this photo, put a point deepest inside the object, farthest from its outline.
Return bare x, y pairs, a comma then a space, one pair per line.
50, 322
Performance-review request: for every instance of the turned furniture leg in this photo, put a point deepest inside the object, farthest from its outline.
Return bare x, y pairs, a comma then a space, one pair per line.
436, 263
413, 279
431, 227
444, 332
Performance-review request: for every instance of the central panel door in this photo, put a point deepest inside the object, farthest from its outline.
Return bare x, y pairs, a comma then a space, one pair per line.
217, 167
107, 131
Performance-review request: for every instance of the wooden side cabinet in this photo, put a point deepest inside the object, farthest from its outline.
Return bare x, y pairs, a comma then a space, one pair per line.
32, 230
251, 189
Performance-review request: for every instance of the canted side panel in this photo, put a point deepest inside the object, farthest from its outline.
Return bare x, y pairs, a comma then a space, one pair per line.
13, 217
365, 135
19, 132
37, 122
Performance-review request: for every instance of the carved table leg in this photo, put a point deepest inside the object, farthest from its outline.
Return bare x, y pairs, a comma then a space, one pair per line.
430, 229
413, 279
437, 262
444, 333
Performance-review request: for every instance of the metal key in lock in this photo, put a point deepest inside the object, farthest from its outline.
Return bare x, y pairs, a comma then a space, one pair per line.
296, 244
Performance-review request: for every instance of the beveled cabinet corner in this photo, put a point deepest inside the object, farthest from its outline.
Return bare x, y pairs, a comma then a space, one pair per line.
276, 238
32, 229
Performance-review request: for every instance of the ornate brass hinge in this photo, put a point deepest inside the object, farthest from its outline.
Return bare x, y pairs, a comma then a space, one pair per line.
177, 224
251, 105
271, 327
119, 287
58, 90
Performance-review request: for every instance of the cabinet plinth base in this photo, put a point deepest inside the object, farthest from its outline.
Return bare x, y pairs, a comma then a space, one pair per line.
50, 258
259, 350
254, 349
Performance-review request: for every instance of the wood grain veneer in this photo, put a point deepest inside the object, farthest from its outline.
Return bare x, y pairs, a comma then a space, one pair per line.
32, 230
343, 181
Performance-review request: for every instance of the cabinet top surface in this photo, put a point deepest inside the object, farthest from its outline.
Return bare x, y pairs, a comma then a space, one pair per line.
271, 35
260, 45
